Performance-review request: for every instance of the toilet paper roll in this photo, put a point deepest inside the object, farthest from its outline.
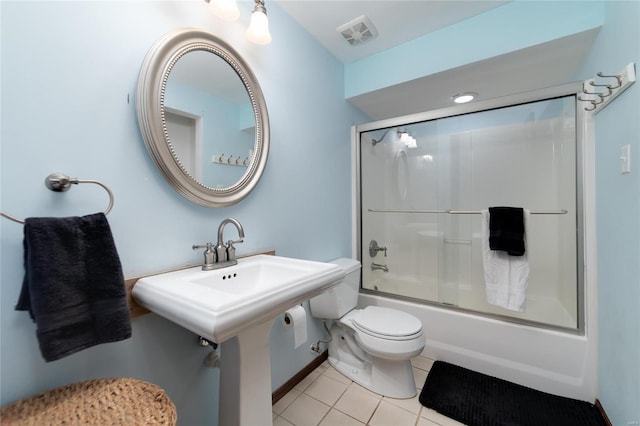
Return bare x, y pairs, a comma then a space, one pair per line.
297, 318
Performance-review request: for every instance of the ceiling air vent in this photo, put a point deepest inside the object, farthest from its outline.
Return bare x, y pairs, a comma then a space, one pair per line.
358, 30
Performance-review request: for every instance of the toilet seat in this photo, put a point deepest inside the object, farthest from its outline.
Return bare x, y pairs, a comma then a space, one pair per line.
386, 333
385, 323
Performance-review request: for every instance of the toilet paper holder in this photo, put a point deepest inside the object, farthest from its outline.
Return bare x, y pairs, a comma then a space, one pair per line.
287, 319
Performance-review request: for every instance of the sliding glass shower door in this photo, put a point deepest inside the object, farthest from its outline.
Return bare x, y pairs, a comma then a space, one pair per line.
423, 186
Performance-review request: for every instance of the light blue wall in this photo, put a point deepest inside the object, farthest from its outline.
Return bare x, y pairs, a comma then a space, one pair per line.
618, 217
505, 29
69, 74
67, 71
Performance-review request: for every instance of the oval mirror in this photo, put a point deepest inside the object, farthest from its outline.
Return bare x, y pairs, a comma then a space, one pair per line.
203, 117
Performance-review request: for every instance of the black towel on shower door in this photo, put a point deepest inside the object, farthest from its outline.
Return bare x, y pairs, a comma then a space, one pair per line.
73, 286
506, 230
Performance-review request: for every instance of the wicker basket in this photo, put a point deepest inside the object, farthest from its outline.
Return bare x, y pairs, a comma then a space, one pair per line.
94, 402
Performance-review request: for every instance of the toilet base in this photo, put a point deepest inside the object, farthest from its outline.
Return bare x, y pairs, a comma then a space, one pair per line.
391, 378
394, 381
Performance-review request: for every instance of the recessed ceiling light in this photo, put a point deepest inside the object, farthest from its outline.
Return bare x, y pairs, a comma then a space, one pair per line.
463, 98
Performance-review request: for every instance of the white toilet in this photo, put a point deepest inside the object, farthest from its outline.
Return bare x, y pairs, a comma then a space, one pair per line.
371, 346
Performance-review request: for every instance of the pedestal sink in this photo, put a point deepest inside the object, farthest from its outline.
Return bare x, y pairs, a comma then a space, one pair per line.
236, 306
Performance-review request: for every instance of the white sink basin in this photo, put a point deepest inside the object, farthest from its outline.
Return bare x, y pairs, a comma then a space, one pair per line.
236, 306
219, 304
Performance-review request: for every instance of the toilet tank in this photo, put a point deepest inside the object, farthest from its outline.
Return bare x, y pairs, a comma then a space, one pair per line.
337, 301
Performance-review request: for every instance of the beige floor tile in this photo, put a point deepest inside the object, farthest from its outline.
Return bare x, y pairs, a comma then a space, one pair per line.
358, 402
336, 375
307, 380
419, 376
365, 390
326, 390
389, 415
336, 418
284, 402
327, 398
410, 404
425, 422
421, 362
279, 421
305, 411
323, 366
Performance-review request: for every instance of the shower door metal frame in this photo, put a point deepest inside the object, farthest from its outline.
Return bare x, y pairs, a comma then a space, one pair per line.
569, 89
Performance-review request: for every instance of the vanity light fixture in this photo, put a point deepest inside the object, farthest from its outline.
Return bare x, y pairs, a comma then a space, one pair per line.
463, 98
225, 9
258, 31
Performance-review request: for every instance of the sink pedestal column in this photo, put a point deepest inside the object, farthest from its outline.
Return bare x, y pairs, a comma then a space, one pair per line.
245, 378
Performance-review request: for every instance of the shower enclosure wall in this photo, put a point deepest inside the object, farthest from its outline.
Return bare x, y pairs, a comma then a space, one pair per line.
423, 181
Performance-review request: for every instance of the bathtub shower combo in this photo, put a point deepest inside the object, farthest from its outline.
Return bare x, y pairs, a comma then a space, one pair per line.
422, 181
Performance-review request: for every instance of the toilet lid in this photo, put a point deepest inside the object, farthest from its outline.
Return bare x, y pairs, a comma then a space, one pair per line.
387, 322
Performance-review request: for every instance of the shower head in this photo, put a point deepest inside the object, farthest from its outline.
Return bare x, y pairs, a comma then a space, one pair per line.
403, 135
375, 142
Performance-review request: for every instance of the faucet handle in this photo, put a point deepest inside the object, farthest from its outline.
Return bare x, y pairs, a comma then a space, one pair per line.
209, 255
374, 248
208, 246
231, 250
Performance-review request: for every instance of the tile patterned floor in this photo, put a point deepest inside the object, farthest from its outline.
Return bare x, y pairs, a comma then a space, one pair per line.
327, 398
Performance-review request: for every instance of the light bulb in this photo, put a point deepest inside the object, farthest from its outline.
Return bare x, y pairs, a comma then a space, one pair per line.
408, 140
258, 31
224, 9
463, 98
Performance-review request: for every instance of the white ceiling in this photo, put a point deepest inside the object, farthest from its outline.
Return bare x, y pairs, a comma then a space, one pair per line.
399, 21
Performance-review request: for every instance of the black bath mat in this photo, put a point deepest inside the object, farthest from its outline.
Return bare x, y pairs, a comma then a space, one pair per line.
476, 399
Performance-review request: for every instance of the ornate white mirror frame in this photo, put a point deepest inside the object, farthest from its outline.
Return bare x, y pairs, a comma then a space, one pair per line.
152, 83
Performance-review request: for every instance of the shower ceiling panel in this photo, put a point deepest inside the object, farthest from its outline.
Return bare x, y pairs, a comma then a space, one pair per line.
545, 65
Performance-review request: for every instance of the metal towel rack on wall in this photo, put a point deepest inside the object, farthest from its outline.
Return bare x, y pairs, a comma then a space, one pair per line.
59, 182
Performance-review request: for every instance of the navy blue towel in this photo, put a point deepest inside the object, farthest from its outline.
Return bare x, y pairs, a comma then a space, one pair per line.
506, 230
73, 286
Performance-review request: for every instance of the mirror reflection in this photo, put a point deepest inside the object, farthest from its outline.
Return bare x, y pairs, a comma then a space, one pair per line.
203, 117
209, 119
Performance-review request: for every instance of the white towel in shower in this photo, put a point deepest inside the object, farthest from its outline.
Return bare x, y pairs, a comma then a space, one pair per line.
506, 277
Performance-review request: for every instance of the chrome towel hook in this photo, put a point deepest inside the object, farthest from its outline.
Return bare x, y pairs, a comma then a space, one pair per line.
59, 182
597, 98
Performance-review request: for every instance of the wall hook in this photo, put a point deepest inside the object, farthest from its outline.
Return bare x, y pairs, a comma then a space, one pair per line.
607, 86
600, 99
617, 77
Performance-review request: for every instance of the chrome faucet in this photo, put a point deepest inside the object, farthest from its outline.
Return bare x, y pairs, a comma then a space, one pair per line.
228, 253
209, 256
222, 255
375, 266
